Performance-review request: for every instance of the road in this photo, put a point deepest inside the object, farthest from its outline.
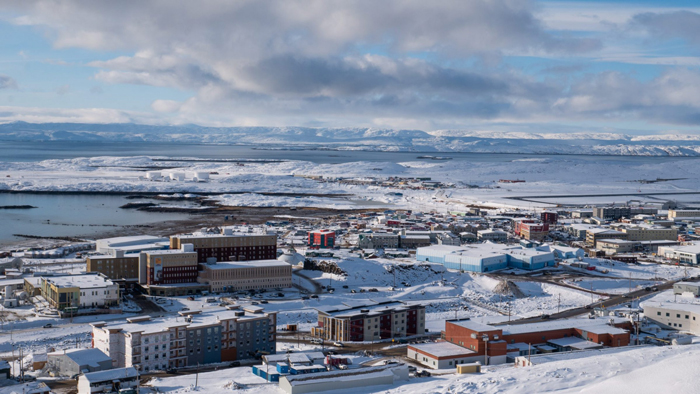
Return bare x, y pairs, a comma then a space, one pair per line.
611, 302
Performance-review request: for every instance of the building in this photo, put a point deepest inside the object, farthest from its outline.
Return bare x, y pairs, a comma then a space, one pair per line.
76, 361
674, 316
531, 230
548, 217
494, 344
685, 254
594, 234
346, 379
612, 213
617, 246
492, 235
168, 266
79, 291
321, 239
119, 380
369, 321
486, 257
674, 214
413, 241
246, 275
229, 246
188, 339
378, 241
441, 355
133, 244
687, 287
650, 233
115, 266
276, 365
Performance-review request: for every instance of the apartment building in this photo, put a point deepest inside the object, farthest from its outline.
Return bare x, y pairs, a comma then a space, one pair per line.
188, 339
611, 213
369, 321
378, 240
79, 291
530, 229
246, 275
650, 233
683, 213
228, 246
617, 246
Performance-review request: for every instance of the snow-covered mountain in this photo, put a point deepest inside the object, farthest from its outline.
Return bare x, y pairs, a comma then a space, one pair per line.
364, 138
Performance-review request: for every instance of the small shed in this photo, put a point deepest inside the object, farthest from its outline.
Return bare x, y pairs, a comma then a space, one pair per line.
469, 368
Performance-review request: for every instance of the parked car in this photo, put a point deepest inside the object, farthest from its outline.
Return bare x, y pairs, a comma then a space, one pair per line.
338, 344
48, 325
263, 302
345, 286
544, 317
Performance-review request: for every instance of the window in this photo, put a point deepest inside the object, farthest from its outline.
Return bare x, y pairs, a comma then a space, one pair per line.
658, 313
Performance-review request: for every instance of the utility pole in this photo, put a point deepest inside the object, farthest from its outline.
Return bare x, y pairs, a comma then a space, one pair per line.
559, 303
196, 377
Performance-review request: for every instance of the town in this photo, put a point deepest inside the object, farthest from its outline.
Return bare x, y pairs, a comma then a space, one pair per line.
371, 298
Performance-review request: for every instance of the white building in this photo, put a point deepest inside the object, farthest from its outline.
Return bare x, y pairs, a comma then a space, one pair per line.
675, 316
92, 290
133, 244
108, 381
492, 235
688, 254
442, 355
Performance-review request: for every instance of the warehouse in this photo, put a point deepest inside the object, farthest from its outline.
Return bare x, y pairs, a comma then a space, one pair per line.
486, 257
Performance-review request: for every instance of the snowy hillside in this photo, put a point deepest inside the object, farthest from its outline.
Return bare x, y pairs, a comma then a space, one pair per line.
364, 138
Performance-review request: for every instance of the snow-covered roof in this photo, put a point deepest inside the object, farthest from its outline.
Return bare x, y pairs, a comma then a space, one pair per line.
82, 281
474, 325
90, 356
692, 308
443, 349
575, 343
110, 375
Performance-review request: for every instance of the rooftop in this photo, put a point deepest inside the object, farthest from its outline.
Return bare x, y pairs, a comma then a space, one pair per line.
82, 281
443, 349
110, 374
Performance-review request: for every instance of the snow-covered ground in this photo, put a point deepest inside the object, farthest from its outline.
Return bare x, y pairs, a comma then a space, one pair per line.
637, 370
544, 177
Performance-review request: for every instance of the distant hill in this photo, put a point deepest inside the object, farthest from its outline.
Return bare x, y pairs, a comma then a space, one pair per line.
363, 138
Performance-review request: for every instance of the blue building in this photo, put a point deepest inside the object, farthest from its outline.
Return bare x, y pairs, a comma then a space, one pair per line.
486, 257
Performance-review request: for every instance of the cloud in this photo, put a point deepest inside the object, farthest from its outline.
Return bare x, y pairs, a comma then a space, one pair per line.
669, 25
166, 106
7, 82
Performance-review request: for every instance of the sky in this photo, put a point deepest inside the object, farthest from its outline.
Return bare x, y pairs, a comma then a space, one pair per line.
630, 67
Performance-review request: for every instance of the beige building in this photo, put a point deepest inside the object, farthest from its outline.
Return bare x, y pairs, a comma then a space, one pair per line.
595, 234
115, 266
650, 234
675, 316
683, 213
246, 275
616, 246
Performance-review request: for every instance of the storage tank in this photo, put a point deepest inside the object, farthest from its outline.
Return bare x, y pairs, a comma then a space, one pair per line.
201, 176
177, 176
153, 175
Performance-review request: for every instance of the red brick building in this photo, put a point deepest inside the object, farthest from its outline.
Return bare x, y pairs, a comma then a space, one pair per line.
494, 344
229, 247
